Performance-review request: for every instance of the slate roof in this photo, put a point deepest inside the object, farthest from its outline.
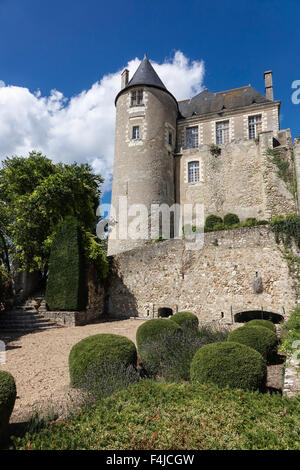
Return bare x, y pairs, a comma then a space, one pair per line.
146, 75
208, 102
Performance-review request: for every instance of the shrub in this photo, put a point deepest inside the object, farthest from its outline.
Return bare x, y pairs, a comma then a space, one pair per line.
260, 322
212, 220
231, 219
219, 226
66, 289
214, 334
99, 351
152, 339
170, 354
8, 394
6, 291
229, 364
259, 338
101, 381
151, 329
290, 332
186, 320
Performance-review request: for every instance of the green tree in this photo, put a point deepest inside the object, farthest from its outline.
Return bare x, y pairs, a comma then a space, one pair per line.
37, 195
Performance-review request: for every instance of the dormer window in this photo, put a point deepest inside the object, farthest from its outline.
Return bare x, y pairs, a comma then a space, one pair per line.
137, 98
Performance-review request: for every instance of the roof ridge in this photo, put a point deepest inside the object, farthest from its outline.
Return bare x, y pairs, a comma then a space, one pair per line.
233, 89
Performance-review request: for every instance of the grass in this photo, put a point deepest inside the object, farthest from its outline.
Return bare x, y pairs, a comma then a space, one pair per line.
153, 415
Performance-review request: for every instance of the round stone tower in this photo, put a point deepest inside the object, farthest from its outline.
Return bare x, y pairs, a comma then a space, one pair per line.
145, 138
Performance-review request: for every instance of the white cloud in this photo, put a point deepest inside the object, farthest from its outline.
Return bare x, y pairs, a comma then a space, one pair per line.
81, 128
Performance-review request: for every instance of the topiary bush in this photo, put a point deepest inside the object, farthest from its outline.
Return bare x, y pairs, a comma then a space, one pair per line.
186, 320
66, 287
231, 219
8, 394
99, 351
261, 322
259, 338
229, 364
151, 329
152, 338
211, 221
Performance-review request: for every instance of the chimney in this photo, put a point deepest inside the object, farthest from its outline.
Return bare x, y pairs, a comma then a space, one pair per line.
124, 78
269, 85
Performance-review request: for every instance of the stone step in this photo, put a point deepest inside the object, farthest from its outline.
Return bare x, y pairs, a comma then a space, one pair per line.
27, 322
19, 315
28, 329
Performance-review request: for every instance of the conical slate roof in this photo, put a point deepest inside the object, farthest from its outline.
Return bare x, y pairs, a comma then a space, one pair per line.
146, 75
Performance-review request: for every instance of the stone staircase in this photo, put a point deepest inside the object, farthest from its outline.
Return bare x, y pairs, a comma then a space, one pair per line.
25, 318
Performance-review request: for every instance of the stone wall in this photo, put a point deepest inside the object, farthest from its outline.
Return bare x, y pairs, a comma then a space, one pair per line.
241, 180
215, 282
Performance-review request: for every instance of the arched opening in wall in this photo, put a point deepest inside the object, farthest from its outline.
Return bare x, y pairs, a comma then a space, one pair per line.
165, 312
244, 317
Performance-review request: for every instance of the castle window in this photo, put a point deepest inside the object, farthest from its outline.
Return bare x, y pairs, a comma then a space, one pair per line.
255, 126
191, 137
193, 172
170, 139
222, 132
137, 98
136, 132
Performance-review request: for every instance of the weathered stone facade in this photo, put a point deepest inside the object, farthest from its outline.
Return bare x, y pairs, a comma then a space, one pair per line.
215, 282
241, 180
163, 154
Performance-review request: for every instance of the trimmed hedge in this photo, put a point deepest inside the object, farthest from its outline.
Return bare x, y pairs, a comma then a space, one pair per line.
186, 320
8, 394
100, 351
211, 221
66, 287
153, 338
231, 219
259, 338
152, 329
260, 322
229, 364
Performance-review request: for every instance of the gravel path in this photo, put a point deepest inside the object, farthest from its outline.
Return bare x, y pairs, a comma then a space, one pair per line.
39, 362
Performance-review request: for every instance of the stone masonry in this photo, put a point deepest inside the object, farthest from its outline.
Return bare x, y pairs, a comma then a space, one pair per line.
215, 282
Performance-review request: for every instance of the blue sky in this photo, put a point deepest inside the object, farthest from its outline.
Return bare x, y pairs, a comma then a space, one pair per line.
68, 45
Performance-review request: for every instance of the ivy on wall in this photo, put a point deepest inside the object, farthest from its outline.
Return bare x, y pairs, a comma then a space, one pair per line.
285, 168
287, 233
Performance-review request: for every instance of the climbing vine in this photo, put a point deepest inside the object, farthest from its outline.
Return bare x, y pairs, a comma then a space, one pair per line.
285, 168
287, 232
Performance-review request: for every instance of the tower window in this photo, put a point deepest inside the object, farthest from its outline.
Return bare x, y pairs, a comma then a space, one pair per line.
137, 98
193, 172
170, 139
136, 132
255, 126
222, 132
191, 137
